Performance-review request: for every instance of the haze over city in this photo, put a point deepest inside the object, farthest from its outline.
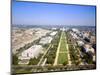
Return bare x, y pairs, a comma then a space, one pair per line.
29, 13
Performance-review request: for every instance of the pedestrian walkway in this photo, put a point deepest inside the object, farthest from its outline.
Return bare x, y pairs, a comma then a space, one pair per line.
57, 53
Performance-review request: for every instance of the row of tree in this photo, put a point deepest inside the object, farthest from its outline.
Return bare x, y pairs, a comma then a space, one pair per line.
73, 49
53, 68
52, 51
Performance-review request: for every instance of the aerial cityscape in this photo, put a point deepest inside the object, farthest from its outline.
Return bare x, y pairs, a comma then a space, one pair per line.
48, 37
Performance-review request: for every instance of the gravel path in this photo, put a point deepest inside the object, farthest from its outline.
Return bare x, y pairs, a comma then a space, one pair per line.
43, 55
57, 53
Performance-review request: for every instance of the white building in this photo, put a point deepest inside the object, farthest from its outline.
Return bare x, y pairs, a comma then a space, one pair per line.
62, 29
74, 35
54, 28
46, 40
32, 52
89, 48
80, 43
75, 30
94, 58
53, 33
93, 39
86, 34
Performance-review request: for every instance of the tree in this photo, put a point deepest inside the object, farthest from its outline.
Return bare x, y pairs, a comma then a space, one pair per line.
77, 62
14, 60
50, 60
33, 61
65, 63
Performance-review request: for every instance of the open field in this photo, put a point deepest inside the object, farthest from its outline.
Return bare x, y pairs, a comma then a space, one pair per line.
62, 58
63, 43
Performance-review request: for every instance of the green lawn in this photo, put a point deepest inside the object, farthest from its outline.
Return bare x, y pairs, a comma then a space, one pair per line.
63, 43
62, 58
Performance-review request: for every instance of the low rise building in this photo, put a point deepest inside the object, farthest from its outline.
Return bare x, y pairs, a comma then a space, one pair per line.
88, 48
53, 33
80, 43
86, 34
93, 39
90, 51
74, 35
46, 40
75, 30
32, 52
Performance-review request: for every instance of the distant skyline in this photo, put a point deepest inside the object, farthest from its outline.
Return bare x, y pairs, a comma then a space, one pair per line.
32, 13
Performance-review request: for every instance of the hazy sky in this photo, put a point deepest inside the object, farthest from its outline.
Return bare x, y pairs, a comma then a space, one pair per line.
29, 13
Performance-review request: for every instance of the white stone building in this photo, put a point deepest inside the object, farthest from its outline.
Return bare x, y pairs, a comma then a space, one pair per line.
45, 40
80, 43
32, 52
53, 33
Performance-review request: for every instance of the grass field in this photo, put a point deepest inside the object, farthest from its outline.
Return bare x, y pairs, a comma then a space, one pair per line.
62, 58
63, 51
63, 43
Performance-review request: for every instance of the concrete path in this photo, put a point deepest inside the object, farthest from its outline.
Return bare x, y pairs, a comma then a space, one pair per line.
68, 53
43, 56
57, 53
69, 60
